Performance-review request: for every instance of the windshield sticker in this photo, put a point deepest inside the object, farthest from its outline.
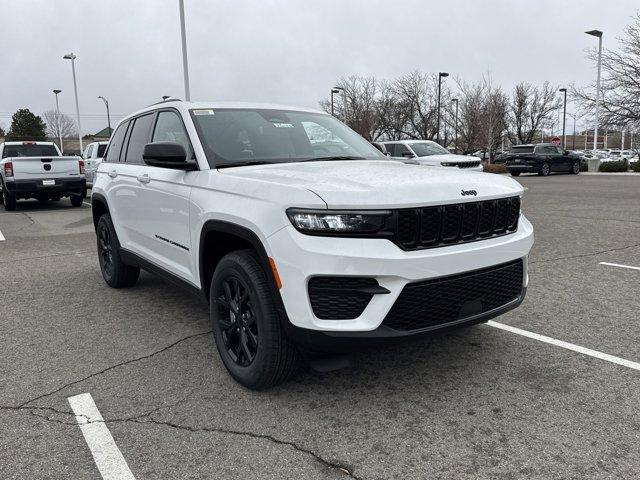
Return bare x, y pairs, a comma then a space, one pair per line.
203, 112
283, 125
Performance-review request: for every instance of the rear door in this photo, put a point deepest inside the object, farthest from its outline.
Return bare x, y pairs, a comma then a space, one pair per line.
127, 198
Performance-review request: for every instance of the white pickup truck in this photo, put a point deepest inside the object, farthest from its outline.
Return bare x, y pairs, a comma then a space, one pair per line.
38, 170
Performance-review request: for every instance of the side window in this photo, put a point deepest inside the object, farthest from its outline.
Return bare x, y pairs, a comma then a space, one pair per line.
391, 149
87, 151
400, 150
138, 138
113, 151
169, 128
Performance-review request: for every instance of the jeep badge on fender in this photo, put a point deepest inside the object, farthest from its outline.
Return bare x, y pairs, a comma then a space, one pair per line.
464, 193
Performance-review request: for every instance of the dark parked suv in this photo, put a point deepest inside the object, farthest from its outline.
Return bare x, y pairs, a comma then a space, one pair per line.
542, 159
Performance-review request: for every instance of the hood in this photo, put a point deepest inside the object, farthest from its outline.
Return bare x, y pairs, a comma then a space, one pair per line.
381, 183
445, 157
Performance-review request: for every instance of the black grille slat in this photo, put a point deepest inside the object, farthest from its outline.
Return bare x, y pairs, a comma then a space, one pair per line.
408, 227
443, 300
340, 298
470, 218
429, 227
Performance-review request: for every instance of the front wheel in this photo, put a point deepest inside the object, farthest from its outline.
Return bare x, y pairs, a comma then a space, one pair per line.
515, 174
545, 169
246, 326
575, 168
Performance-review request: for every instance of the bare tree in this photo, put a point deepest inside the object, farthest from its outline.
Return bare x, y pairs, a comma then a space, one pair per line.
482, 116
416, 95
620, 104
529, 109
59, 125
357, 106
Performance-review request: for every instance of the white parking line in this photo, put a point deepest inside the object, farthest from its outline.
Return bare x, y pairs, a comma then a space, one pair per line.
569, 346
108, 458
87, 203
2, 239
619, 265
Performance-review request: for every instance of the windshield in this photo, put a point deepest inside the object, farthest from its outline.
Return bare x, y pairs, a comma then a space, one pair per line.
29, 150
243, 136
424, 149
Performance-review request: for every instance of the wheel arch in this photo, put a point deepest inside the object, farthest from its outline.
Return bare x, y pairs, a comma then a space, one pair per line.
217, 238
99, 207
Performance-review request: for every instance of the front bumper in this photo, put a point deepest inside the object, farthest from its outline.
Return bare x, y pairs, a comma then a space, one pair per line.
31, 188
299, 257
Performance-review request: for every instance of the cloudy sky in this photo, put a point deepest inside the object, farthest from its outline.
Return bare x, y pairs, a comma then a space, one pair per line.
283, 51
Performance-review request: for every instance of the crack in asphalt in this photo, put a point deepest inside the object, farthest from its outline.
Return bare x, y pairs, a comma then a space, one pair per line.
341, 467
144, 419
582, 255
117, 365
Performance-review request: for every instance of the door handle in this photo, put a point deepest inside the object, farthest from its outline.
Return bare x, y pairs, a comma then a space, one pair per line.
144, 178
113, 174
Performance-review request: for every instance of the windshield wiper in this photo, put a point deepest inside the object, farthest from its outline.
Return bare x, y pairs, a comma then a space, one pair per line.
335, 157
244, 163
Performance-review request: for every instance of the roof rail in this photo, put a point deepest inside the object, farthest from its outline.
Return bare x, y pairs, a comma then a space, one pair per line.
166, 101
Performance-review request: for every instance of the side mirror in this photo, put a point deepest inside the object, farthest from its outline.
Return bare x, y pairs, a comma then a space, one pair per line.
167, 155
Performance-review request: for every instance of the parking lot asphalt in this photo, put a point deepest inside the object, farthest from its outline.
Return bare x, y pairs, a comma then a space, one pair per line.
475, 403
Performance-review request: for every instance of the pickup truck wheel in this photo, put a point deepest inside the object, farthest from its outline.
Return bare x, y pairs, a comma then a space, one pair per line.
575, 168
251, 342
76, 200
515, 174
114, 271
545, 169
9, 200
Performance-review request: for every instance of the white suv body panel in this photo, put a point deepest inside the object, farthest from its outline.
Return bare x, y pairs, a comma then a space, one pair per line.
175, 205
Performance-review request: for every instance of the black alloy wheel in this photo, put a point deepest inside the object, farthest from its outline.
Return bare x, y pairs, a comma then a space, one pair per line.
237, 321
105, 250
545, 169
575, 169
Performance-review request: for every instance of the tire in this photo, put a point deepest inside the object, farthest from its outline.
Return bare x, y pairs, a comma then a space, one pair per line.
76, 200
515, 174
255, 349
115, 272
575, 168
545, 170
9, 200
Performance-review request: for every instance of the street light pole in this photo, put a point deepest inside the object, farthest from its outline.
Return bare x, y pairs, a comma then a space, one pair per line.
334, 90
72, 57
106, 103
455, 123
185, 63
56, 92
440, 76
564, 118
598, 34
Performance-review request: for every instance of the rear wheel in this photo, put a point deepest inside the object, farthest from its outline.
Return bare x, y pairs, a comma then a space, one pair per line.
575, 168
250, 339
8, 199
76, 200
545, 169
114, 271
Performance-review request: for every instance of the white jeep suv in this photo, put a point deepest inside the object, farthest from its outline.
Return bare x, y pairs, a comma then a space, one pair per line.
304, 238
427, 152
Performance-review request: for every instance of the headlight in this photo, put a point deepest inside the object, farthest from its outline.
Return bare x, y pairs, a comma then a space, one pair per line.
338, 221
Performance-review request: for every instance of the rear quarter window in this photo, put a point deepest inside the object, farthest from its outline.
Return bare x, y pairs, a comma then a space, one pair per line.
115, 145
